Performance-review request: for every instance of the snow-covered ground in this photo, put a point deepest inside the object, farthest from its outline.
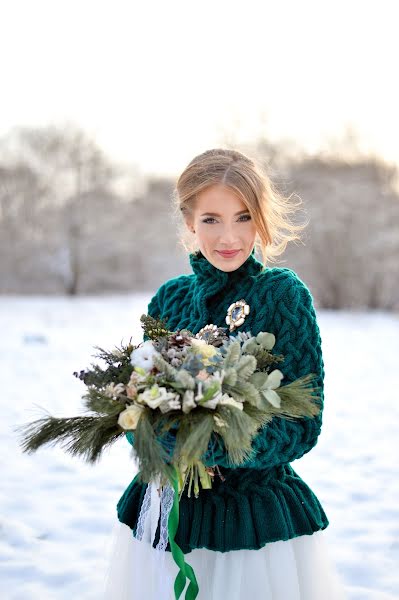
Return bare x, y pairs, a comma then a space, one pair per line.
57, 512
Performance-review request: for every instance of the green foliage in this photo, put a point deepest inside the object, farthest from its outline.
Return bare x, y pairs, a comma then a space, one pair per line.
153, 458
299, 399
84, 436
154, 328
166, 368
266, 340
118, 368
230, 377
245, 367
245, 391
193, 435
96, 401
233, 354
238, 435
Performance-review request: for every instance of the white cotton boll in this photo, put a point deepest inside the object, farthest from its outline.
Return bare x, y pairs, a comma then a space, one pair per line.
144, 355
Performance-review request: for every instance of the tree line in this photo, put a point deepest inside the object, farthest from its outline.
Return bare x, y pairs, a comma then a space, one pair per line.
74, 222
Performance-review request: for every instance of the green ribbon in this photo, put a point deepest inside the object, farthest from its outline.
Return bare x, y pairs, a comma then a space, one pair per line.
185, 570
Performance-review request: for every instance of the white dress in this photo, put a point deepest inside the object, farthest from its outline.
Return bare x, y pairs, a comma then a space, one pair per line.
297, 569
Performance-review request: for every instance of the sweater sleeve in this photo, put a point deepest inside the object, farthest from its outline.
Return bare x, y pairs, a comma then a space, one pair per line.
298, 339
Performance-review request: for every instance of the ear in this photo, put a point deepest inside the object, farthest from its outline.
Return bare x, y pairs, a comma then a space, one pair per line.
189, 224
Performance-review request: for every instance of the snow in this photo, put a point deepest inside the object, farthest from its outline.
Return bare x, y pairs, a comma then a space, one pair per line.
57, 512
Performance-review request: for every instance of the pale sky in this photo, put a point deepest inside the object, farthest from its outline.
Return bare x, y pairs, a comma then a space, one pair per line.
158, 82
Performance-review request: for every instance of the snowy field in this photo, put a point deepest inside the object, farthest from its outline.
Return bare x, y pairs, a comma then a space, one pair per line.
57, 512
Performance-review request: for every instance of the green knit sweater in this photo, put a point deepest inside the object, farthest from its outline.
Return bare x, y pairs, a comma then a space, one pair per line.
263, 500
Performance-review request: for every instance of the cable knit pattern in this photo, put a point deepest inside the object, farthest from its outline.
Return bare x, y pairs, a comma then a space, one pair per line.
263, 500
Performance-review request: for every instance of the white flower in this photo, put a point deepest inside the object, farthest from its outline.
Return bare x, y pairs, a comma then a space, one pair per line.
227, 400
188, 401
159, 397
213, 402
273, 381
172, 404
113, 390
143, 356
213, 382
129, 418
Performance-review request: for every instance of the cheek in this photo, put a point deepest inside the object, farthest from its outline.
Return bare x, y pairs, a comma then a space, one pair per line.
248, 231
206, 232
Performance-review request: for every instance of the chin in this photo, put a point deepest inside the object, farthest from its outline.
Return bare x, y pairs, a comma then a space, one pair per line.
227, 264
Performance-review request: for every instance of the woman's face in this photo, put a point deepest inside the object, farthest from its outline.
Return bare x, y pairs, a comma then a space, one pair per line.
222, 222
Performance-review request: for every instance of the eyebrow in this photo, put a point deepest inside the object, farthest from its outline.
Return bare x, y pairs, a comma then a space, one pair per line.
211, 214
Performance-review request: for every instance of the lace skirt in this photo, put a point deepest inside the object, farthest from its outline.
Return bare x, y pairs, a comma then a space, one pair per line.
297, 569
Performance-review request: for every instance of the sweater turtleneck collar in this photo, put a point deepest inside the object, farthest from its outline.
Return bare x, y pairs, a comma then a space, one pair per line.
211, 281
206, 272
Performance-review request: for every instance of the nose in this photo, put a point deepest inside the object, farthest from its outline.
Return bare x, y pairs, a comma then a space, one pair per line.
228, 237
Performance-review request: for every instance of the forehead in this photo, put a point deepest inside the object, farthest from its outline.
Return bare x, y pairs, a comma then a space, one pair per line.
219, 198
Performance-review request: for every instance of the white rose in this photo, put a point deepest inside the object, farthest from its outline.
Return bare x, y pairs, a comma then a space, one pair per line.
129, 417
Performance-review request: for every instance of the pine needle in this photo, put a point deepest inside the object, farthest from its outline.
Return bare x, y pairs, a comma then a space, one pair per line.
84, 436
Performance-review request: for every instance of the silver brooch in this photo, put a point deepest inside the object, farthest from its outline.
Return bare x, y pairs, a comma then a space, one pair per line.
208, 332
236, 314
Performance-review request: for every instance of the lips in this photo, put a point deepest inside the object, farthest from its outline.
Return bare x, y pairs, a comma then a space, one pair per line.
228, 253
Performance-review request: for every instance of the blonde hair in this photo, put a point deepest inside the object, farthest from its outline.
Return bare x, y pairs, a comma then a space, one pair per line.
268, 208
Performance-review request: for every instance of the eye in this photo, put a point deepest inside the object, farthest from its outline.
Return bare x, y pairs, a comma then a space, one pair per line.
242, 219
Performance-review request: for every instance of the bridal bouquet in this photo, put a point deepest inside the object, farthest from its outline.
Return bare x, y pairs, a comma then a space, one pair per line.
179, 394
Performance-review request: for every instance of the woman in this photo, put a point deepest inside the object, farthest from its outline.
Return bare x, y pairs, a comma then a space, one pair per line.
258, 533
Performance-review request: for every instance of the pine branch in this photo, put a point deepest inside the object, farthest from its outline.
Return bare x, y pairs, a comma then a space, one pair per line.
85, 436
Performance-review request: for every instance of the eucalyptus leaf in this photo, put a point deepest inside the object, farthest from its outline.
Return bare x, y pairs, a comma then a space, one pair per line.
259, 380
265, 339
249, 346
272, 397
